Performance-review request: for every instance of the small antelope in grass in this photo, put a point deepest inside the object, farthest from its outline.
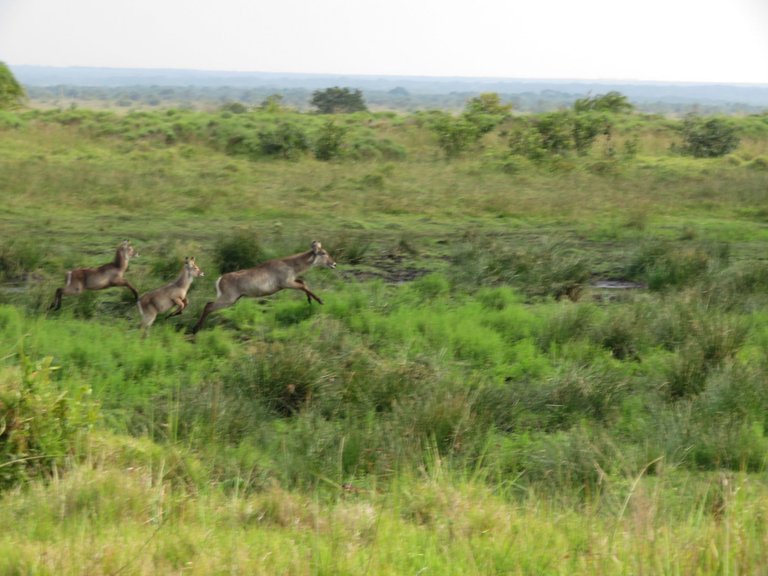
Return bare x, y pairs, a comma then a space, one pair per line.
266, 279
105, 276
166, 297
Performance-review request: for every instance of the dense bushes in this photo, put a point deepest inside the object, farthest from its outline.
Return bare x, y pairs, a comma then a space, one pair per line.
273, 131
708, 138
40, 424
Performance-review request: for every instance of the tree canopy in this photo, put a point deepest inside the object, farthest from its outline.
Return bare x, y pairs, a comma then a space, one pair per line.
338, 100
11, 93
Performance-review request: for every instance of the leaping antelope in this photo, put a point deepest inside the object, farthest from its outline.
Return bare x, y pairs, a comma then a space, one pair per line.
105, 276
266, 279
166, 297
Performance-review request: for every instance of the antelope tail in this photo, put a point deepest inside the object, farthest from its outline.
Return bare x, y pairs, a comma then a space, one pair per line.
141, 310
218, 289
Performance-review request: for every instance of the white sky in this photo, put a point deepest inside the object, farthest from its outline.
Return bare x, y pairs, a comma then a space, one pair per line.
663, 40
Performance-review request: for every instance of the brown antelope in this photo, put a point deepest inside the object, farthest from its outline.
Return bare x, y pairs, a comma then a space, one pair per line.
266, 279
166, 297
105, 276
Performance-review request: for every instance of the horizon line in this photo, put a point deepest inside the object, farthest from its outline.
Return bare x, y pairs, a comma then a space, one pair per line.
167, 69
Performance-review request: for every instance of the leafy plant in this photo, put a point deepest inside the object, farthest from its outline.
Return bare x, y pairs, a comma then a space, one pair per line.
241, 249
286, 141
337, 100
39, 423
708, 138
329, 141
11, 92
454, 134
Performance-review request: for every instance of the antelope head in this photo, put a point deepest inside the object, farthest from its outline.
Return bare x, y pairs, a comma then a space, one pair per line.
191, 267
127, 250
320, 256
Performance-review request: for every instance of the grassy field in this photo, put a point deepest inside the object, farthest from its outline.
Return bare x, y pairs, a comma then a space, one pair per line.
471, 399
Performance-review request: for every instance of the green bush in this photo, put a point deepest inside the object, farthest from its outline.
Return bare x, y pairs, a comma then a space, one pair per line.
286, 141
241, 249
329, 141
708, 138
40, 424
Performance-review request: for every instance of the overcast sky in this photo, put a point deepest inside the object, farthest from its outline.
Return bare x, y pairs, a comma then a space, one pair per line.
663, 40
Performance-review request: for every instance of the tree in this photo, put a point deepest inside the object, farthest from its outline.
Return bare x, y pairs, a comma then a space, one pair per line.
338, 100
613, 101
454, 134
328, 144
234, 108
486, 111
11, 93
587, 126
556, 131
272, 104
708, 138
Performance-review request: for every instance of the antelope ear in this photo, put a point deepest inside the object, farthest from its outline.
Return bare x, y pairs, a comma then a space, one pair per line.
316, 246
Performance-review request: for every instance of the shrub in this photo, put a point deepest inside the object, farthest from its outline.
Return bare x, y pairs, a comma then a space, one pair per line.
708, 138
39, 423
328, 143
286, 141
238, 251
454, 134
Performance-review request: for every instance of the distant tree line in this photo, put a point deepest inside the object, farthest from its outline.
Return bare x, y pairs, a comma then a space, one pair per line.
398, 100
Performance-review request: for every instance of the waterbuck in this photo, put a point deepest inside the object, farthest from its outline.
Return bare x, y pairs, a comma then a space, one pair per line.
105, 276
266, 279
166, 297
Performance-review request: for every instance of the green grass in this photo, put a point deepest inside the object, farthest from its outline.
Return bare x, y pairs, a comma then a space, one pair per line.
466, 401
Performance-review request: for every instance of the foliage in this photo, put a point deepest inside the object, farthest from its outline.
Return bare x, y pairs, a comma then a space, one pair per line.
234, 108
708, 138
237, 251
558, 133
454, 134
613, 102
273, 104
338, 100
11, 92
329, 141
39, 423
486, 111
286, 140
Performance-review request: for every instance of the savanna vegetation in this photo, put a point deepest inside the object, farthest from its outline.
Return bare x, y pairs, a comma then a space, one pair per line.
542, 350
